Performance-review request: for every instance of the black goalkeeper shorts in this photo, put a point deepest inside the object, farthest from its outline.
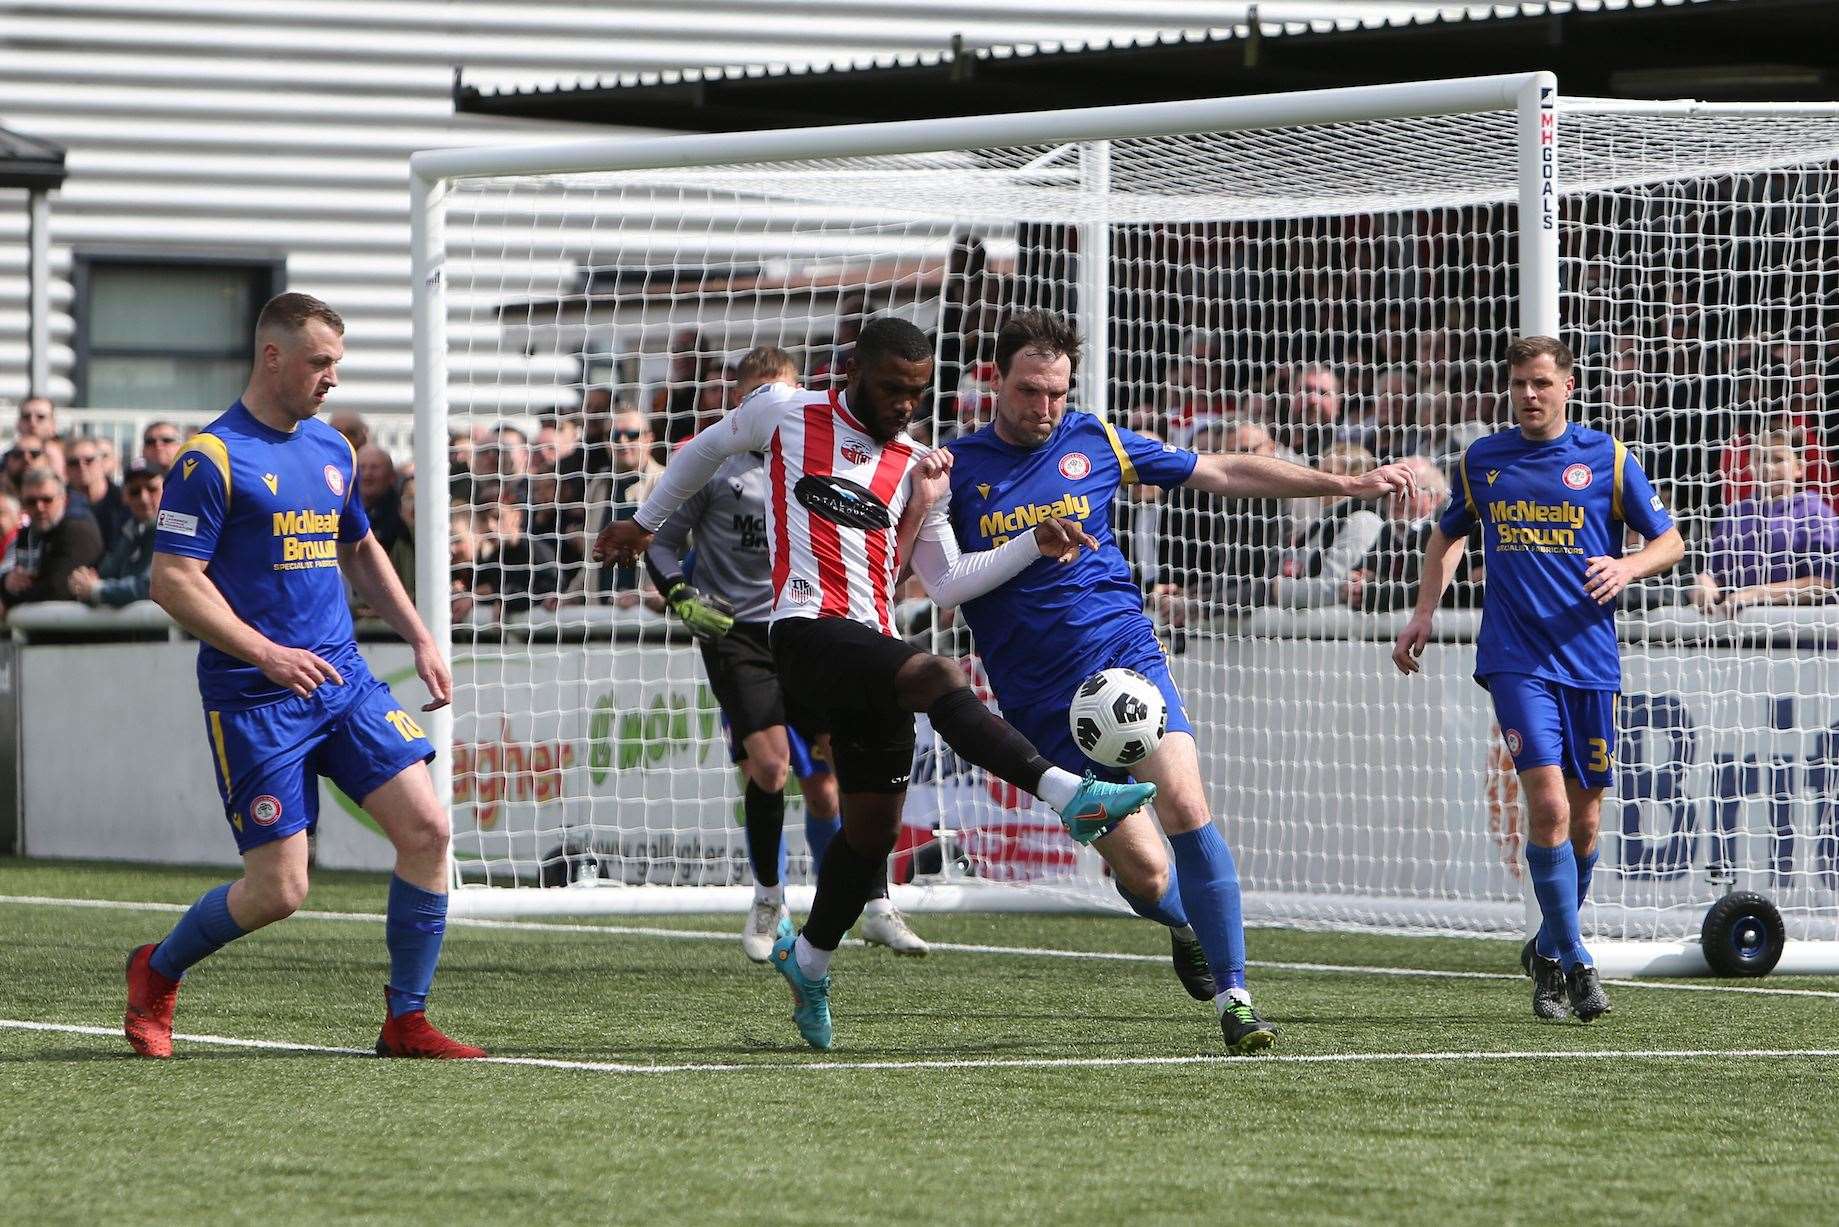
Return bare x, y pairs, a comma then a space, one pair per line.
845, 671
745, 681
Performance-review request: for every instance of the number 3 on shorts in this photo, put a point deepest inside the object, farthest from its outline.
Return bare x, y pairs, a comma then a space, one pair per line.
1599, 752
411, 731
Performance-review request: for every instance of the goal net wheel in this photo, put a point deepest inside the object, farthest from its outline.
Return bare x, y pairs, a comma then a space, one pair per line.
1743, 935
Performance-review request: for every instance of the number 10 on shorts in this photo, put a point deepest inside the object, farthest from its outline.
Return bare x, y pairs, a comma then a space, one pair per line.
405, 724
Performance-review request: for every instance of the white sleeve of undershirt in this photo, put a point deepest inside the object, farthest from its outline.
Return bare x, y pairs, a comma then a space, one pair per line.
748, 427
952, 578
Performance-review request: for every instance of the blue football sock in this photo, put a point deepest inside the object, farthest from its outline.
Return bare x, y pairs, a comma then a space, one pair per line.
1586, 869
1554, 875
818, 834
1210, 894
206, 928
412, 928
1164, 911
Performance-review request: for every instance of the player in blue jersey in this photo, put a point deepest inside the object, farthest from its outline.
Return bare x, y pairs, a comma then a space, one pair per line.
1038, 459
1553, 500
259, 520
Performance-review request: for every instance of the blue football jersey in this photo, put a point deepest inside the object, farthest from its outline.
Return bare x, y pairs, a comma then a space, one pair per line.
1035, 632
1547, 508
266, 509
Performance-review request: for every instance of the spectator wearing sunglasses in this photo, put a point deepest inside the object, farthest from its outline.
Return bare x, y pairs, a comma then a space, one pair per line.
159, 444
92, 491
54, 544
618, 495
27, 452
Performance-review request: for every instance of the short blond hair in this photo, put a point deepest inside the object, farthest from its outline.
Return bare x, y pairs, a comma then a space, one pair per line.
765, 364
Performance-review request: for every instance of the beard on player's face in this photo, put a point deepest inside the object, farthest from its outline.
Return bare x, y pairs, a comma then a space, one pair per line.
886, 394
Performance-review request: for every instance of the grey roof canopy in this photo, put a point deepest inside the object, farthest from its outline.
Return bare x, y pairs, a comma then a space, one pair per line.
1766, 50
30, 163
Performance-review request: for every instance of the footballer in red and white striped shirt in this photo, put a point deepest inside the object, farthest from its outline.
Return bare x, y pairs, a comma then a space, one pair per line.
840, 469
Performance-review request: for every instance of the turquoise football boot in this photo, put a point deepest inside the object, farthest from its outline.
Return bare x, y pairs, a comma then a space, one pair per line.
810, 998
1100, 804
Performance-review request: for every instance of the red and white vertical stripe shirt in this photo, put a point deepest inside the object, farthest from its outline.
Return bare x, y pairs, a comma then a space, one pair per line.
834, 498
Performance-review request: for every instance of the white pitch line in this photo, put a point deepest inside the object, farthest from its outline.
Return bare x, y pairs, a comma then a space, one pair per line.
1109, 956
756, 1067
221, 1041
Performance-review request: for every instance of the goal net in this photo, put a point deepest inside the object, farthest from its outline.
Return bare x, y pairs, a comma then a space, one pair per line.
1331, 276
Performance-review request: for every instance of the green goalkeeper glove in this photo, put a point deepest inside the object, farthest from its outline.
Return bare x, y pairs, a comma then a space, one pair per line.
707, 617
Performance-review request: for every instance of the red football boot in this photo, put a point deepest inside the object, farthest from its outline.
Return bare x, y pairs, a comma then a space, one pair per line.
412, 1035
148, 1022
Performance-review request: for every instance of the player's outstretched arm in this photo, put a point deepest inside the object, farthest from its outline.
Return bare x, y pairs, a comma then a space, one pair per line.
372, 577
1246, 476
1806, 590
951, 578
749, 427
1441, 553
1606, 576
180, 587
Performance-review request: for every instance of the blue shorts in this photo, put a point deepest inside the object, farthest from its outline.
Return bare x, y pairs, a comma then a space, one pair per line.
1548, 724
1052, 733
806, 761
268, 759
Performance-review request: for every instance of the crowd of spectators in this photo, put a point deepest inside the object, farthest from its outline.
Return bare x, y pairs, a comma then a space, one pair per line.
75, 523
1367, 341
1398, 382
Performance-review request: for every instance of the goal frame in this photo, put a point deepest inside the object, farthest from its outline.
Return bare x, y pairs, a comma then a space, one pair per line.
1532, 96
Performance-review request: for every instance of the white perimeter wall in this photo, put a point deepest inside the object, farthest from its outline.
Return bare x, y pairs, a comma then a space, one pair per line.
1373, 789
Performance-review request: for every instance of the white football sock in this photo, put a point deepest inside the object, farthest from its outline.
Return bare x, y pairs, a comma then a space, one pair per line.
814, 963
1223, 1001
1058, 787
769, 894
878, 907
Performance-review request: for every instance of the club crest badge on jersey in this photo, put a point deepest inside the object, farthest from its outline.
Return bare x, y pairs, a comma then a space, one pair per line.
1577, 476
1075, 465
265, 810
1514, 742
855, 451
335, 481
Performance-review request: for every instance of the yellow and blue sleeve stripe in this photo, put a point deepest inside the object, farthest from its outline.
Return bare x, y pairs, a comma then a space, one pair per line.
1124, 463
217, 452
1621, 462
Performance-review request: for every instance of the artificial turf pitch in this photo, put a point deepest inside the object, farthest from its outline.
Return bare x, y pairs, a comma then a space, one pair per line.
1424, 1098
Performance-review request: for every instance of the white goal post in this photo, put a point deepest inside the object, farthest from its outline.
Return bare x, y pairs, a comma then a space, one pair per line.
1227, 260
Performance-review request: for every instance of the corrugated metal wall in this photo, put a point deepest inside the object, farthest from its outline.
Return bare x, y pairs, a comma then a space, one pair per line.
231, 127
